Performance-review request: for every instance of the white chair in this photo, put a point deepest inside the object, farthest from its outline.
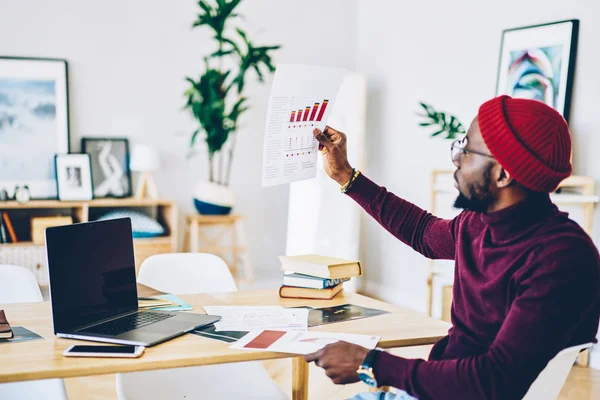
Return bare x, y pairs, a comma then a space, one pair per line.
183, 273
18, 285
552, 378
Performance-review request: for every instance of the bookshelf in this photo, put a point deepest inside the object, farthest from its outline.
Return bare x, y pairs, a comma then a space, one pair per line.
28, 254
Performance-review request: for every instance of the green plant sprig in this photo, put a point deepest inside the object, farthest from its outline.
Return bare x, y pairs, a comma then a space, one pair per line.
443, 122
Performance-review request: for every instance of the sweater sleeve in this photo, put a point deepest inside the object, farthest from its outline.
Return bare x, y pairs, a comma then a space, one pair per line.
558, 296
431, 236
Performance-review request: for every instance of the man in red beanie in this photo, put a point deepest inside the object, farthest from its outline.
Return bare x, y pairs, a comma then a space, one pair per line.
527, 278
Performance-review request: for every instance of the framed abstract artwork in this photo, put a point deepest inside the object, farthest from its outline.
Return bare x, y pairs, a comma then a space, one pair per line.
111, 175
34, 123
73, 177
538, 62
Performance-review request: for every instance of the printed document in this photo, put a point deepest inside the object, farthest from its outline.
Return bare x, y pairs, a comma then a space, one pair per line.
296, 342
301, 99
247, 318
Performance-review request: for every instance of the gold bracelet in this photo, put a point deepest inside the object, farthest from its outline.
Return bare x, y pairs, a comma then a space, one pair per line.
350, 182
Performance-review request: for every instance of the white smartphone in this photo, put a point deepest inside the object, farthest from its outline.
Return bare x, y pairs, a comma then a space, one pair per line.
104, 351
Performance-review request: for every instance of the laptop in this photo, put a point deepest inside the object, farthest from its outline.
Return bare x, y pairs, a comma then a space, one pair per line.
93, 288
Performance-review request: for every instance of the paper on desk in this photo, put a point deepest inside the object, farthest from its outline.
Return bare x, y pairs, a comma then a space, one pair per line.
247, 318
301, 99
297, 342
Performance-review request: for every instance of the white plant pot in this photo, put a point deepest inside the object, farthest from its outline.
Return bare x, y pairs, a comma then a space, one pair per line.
213, 199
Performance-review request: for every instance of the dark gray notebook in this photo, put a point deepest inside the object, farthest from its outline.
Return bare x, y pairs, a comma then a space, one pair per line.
21, 335
341, 313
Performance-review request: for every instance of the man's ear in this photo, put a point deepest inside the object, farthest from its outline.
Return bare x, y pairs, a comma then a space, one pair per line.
505, 179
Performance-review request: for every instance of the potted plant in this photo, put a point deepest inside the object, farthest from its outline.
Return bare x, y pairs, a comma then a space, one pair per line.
216, 99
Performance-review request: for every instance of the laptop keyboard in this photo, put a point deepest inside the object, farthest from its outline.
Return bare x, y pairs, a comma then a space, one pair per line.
128, 323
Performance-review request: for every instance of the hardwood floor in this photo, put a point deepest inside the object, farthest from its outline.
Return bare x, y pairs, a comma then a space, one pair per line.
582, 383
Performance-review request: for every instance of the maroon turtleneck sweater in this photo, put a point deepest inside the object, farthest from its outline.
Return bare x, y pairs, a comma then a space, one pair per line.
527, 285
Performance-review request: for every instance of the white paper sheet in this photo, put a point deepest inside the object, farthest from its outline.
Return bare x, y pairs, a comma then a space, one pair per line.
301, 99
296, 342
248, 318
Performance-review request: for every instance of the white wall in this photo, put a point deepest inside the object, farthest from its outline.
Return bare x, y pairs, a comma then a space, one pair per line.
127, 63
446, 53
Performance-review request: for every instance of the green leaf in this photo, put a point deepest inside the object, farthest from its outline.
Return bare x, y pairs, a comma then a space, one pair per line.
193, 139
426, 123
260, 75
437, 133
221, 53
242, 34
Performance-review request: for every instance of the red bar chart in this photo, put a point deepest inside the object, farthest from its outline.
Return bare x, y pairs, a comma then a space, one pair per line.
314, 113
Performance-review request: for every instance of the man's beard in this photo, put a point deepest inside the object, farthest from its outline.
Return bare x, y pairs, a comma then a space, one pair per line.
480, 197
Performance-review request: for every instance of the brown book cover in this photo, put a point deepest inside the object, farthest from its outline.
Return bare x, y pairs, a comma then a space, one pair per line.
5, 331
293, 292
9, 227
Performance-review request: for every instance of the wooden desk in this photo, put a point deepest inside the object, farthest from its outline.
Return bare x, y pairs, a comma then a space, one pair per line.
42, 359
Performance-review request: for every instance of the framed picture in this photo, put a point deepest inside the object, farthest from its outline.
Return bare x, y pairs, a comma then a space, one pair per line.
111, 176
538, 62
73, 177
34, 123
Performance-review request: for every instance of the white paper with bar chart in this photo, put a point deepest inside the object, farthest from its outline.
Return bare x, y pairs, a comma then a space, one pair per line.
302, 97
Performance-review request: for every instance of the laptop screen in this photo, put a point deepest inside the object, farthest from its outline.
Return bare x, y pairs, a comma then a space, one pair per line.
92, 272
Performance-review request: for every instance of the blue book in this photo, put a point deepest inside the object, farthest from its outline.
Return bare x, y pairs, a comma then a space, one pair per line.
313, 282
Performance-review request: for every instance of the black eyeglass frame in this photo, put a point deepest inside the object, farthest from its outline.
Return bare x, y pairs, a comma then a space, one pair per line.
460, 146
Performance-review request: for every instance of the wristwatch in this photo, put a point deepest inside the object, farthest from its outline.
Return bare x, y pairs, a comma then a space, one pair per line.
365, 371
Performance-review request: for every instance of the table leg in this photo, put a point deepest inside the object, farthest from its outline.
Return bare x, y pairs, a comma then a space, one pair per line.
299, 379
194, 237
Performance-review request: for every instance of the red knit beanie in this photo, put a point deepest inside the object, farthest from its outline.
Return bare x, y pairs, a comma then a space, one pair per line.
529, 139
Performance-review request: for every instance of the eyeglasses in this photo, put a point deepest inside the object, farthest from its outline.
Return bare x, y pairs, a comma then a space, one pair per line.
459, 146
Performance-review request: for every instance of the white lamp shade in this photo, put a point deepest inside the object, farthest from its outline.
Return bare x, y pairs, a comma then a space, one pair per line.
144, 158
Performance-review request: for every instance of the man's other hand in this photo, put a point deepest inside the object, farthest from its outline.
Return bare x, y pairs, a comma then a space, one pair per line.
340, 361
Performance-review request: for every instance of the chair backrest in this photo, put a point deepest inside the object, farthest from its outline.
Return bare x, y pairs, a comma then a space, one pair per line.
18, 285
552, 378
183, 273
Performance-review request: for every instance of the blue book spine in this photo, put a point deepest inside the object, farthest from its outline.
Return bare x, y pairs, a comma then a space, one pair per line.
314, 282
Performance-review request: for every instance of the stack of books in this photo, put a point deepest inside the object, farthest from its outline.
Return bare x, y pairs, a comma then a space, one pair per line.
315, 277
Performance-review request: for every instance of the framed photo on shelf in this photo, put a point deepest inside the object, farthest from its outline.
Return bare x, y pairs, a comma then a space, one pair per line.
111, 176
538, 62
34, 123
73, 177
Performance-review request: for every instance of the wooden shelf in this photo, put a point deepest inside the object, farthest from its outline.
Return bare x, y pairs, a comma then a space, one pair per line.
558, 198
213, 219
159, 240
128, 202
564, 198
22, 244
31, 255
153, 240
